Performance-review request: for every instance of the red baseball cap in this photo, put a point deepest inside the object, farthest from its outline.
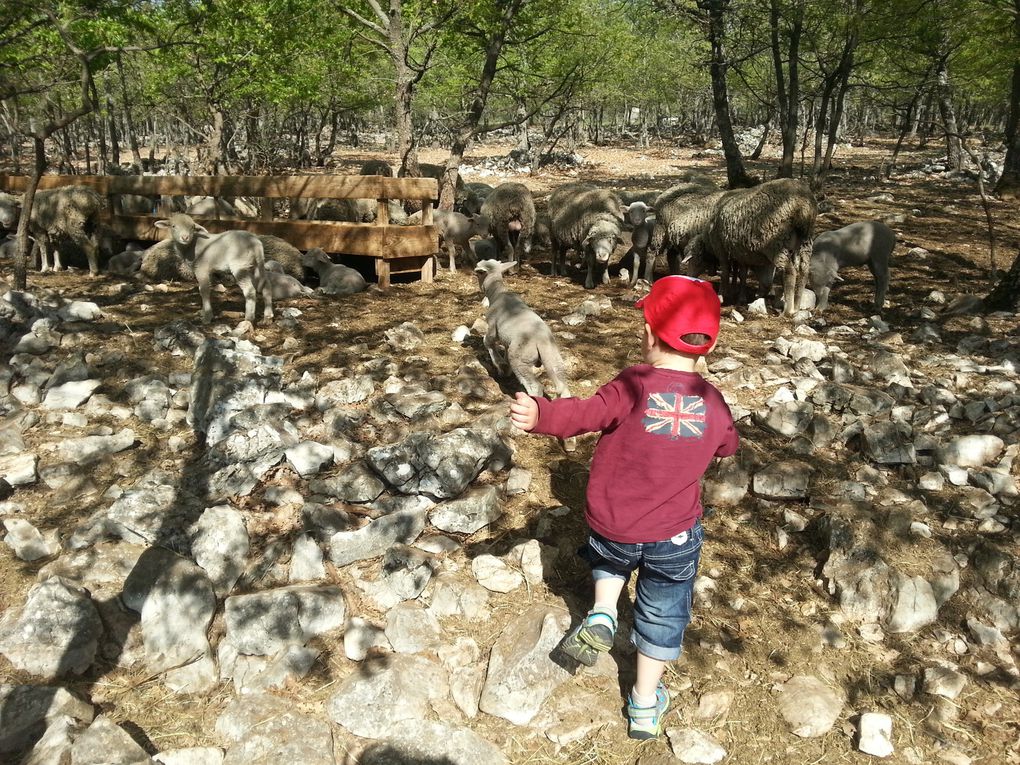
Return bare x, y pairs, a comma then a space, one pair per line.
681, 305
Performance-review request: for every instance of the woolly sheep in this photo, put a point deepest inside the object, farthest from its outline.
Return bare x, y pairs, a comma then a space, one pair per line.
126, 263
683, 214
510, 210
70, 212
162, 263
325, 209
334, 279
869, 243
377, 167
456, 230
283, 285
284, 253
484, 249
210, 207
588, 220
237, 252
517, 338
642, 218
768, 225
473, 196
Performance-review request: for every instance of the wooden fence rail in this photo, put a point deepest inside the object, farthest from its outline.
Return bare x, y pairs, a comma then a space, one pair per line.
396, 249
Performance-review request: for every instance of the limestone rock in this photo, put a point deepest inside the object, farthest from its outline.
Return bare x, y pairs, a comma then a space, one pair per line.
453, 596
421, 741
374, 538
495, 575
29, 709
971, 451
693, 746
789, 418
82, 451
219, 544
788, 479
726, 484
809, 706
889, 443
194, 755
874, 734
309, 457
69, 395
108, 743
350, 390
264, 623
355, 483
26, 541
267, 730
944, 681
404, 337
306, 560
412, 629
19, 469
360, 636
474, 510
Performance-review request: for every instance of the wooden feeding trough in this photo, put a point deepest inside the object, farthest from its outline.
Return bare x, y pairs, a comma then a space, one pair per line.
395, 249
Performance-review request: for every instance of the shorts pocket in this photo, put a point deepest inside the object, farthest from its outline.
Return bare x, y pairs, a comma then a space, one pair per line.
609, 552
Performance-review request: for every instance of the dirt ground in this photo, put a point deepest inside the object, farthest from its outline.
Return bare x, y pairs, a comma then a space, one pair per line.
761, 624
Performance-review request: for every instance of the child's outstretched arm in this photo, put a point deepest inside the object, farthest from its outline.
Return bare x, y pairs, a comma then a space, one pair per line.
524, 412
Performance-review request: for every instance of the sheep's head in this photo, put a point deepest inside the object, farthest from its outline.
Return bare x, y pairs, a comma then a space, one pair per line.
315, 259
10, 211
636, 212
183, 229
489, 272
602, 240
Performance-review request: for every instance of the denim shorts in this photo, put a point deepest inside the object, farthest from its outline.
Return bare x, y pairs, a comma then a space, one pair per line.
665, 585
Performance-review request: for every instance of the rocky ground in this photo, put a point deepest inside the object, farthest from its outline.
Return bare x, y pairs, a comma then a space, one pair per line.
317, 541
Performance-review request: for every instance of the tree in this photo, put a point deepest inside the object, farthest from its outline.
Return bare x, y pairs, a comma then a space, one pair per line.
1009, 181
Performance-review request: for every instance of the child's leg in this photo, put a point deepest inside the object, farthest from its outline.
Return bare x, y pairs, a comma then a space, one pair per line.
607, 594
649, 673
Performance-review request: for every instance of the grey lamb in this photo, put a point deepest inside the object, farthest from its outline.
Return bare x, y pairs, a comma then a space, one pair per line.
510, 210
770, 225
517, 338
237, 252
588, 220
334, 279
456, 230
70, 212
868, 243
283, 285
642, 218
126, 263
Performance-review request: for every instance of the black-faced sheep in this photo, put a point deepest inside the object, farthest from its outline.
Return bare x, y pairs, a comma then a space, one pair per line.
510, 210
587, 220
70, 212
768, 225
236, 252
517, 338
869, 243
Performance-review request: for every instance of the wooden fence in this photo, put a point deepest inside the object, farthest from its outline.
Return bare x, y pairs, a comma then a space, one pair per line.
396, 249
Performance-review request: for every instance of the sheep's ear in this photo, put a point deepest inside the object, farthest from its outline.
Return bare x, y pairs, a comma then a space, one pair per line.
504, 267
201, 232
162, 224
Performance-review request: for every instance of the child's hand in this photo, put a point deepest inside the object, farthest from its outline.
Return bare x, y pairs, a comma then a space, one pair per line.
524, 412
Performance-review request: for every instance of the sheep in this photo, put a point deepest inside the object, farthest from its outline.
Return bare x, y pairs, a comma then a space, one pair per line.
869, 243
770, 225
683, 213
484, 249
136, 204
513, 326
308, 208
70, 212
283, 285
473, 197
541, 235
334, 279
237, 252
284, 253
210, 207
588, 220
377, 167
510, 210
456, 230
642, 217
162, 263
126, 263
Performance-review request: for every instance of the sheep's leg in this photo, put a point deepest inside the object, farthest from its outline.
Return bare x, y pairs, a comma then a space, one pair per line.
267, 295
523, 367
91, 248
823, 298
506, 249
803, 266
247, 285
43, 242
558, 256
880, 270
724, 279
57, 264
451, 251
589, 279
490, 343
789, 266
204, 292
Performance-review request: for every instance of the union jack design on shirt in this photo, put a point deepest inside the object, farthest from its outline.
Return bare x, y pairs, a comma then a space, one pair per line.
675, 416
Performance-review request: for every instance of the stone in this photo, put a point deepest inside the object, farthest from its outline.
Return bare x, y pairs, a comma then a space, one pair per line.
787, 419
176, 602
726, 484
264, 623
528, 556
81, 451
453, 596
441, 466
460, 334
79, 310
56, 632
55, 745
360, 636
889, 443
349, 390
309, 457
691, 745
219, 544
374, 705
971, 451
521, 674
788, 479
803, 348
423, 741
931, 482
253, 674
29, 709
405, 571
376, 537
26, 541
944, 681
467, 673
809, 706
355, 483
518, 482
143, 514
757, 308
414, 403
306, 560
106, 742
874, 734
914, 606
475, 509
494, 574
19, 469
267, 730
192, 755
69, 395
404, 337
412, 629
714, 705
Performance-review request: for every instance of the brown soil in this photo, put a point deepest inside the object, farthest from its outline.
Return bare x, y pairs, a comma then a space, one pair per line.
750, 651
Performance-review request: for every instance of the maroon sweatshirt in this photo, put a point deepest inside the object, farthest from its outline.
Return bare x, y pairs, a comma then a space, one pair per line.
660, 430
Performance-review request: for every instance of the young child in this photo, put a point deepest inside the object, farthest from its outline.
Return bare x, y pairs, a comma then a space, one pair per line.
661, 425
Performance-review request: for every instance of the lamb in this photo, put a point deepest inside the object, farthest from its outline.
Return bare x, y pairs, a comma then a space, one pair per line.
642, 218
869, 243
770, 225
513, 326
238, 252
377, 167
284, 253
126, 263
510, 210
456, 230
307, 208
162, 263
588, 220
334, 279
283, 285
70, 212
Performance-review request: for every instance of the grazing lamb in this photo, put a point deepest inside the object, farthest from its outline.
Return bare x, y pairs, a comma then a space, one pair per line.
284, 253
377, 167
70, 212
770, 225
588, 220
517, 338
456, 230
237, 252
510, 210
869, 243
334, 279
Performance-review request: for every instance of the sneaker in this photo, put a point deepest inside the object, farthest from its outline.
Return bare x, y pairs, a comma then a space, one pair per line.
591, 637
646, 722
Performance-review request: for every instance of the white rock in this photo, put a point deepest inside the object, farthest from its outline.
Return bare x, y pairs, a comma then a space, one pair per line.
306, 560
932, 481
875, 734
19, 469
460, 334
758, 308
195, 755
309, 457
944, 681
26, 541
360, 636
70, 395
692, 746
79, 310
971, 451
809, 706
493, 574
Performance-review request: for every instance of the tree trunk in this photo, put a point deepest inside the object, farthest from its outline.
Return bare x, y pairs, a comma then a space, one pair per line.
1005, 296
736, 174
214, 143
788, 84
1009, 182
24, 248
132, 136
111, 115
943, 90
